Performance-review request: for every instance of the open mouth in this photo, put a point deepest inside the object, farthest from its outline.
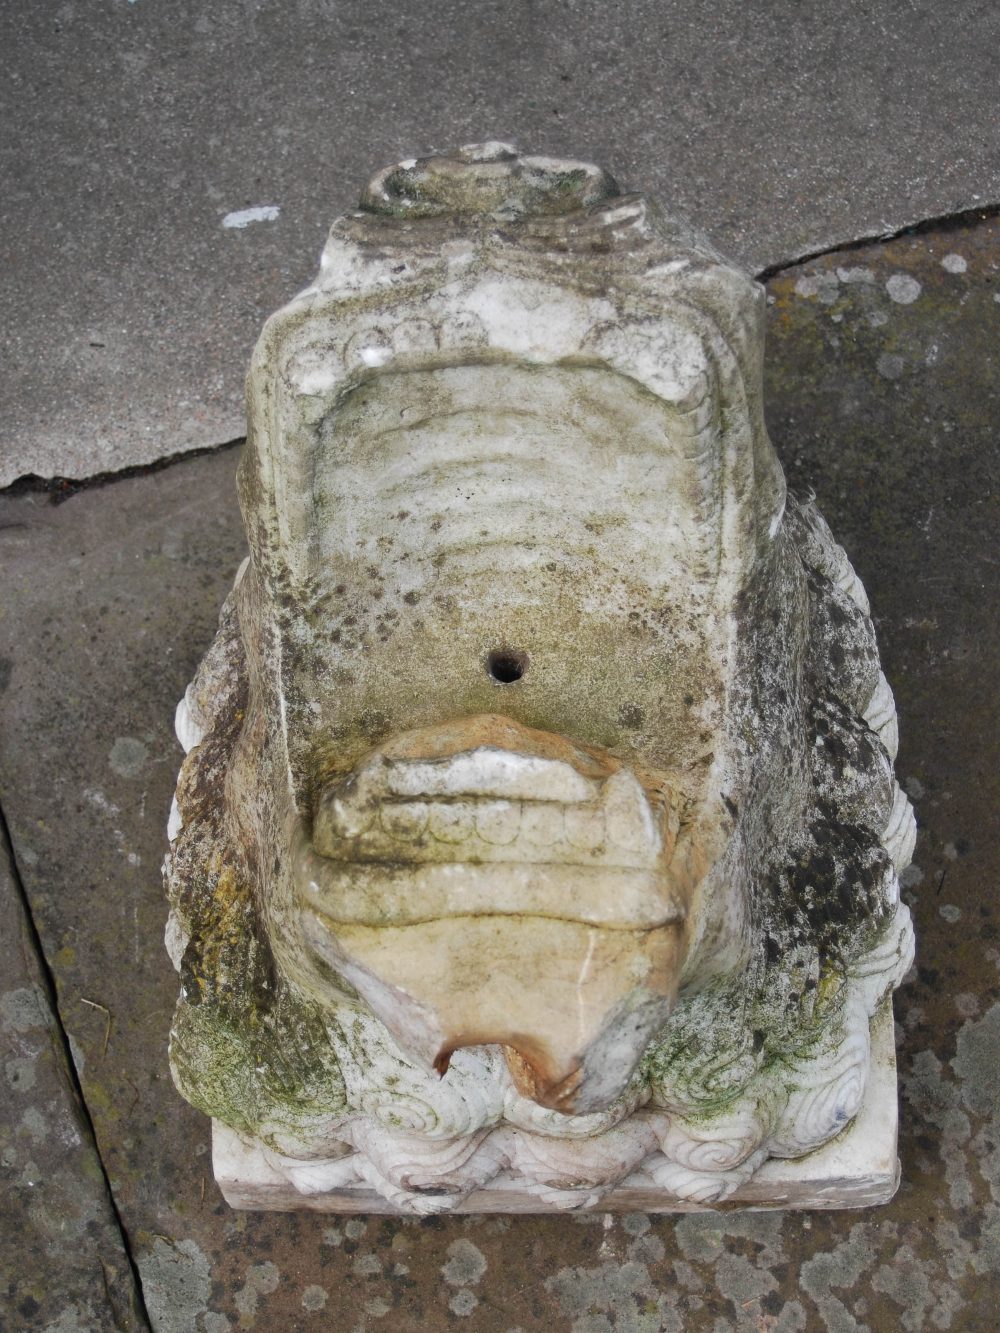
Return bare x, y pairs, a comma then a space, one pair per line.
483, 882
486, 817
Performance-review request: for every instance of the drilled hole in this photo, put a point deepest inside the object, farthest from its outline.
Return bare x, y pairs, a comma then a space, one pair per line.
506, 666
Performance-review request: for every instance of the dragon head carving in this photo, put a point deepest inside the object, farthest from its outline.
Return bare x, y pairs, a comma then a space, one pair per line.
543, 763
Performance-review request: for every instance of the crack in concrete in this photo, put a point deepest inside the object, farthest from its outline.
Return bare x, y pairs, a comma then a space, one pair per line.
939, 222
48, 982
63, 488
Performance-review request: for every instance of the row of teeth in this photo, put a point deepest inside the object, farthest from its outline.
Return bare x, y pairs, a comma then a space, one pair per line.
495, 826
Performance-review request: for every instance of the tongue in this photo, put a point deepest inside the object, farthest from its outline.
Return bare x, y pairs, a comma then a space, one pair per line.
574, 1005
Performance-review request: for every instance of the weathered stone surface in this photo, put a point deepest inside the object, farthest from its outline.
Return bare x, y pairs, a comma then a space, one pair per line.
538, 821
63, 1263
145, 137
903, 467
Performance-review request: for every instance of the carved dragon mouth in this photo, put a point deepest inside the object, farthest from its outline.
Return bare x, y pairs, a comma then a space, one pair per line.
539, 876
487, 817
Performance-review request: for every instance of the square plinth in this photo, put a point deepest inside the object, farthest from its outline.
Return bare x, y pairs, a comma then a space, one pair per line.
857, 1169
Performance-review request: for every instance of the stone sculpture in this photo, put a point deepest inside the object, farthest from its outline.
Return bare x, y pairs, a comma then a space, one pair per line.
538, 824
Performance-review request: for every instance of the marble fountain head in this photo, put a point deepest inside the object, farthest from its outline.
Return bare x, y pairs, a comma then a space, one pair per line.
539, 715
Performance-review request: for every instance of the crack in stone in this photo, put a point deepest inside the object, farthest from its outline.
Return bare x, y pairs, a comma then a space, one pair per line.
47, 980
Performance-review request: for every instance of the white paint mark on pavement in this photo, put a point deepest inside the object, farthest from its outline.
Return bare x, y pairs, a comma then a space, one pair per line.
244, 216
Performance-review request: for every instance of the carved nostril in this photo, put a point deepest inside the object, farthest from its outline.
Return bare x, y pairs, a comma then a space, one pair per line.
506, 665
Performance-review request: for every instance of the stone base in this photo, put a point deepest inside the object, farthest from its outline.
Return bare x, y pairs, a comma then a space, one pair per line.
858, 1169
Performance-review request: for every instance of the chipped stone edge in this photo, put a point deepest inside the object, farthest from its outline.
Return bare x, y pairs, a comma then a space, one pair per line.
858, 1169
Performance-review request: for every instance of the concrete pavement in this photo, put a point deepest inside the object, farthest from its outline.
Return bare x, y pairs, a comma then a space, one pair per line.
142, 133
882, 396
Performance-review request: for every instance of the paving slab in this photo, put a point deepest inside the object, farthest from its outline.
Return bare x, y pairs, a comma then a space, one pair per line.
63, 1262
140, 133
883, 397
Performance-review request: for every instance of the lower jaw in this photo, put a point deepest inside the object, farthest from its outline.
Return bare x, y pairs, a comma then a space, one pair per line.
574, 1004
